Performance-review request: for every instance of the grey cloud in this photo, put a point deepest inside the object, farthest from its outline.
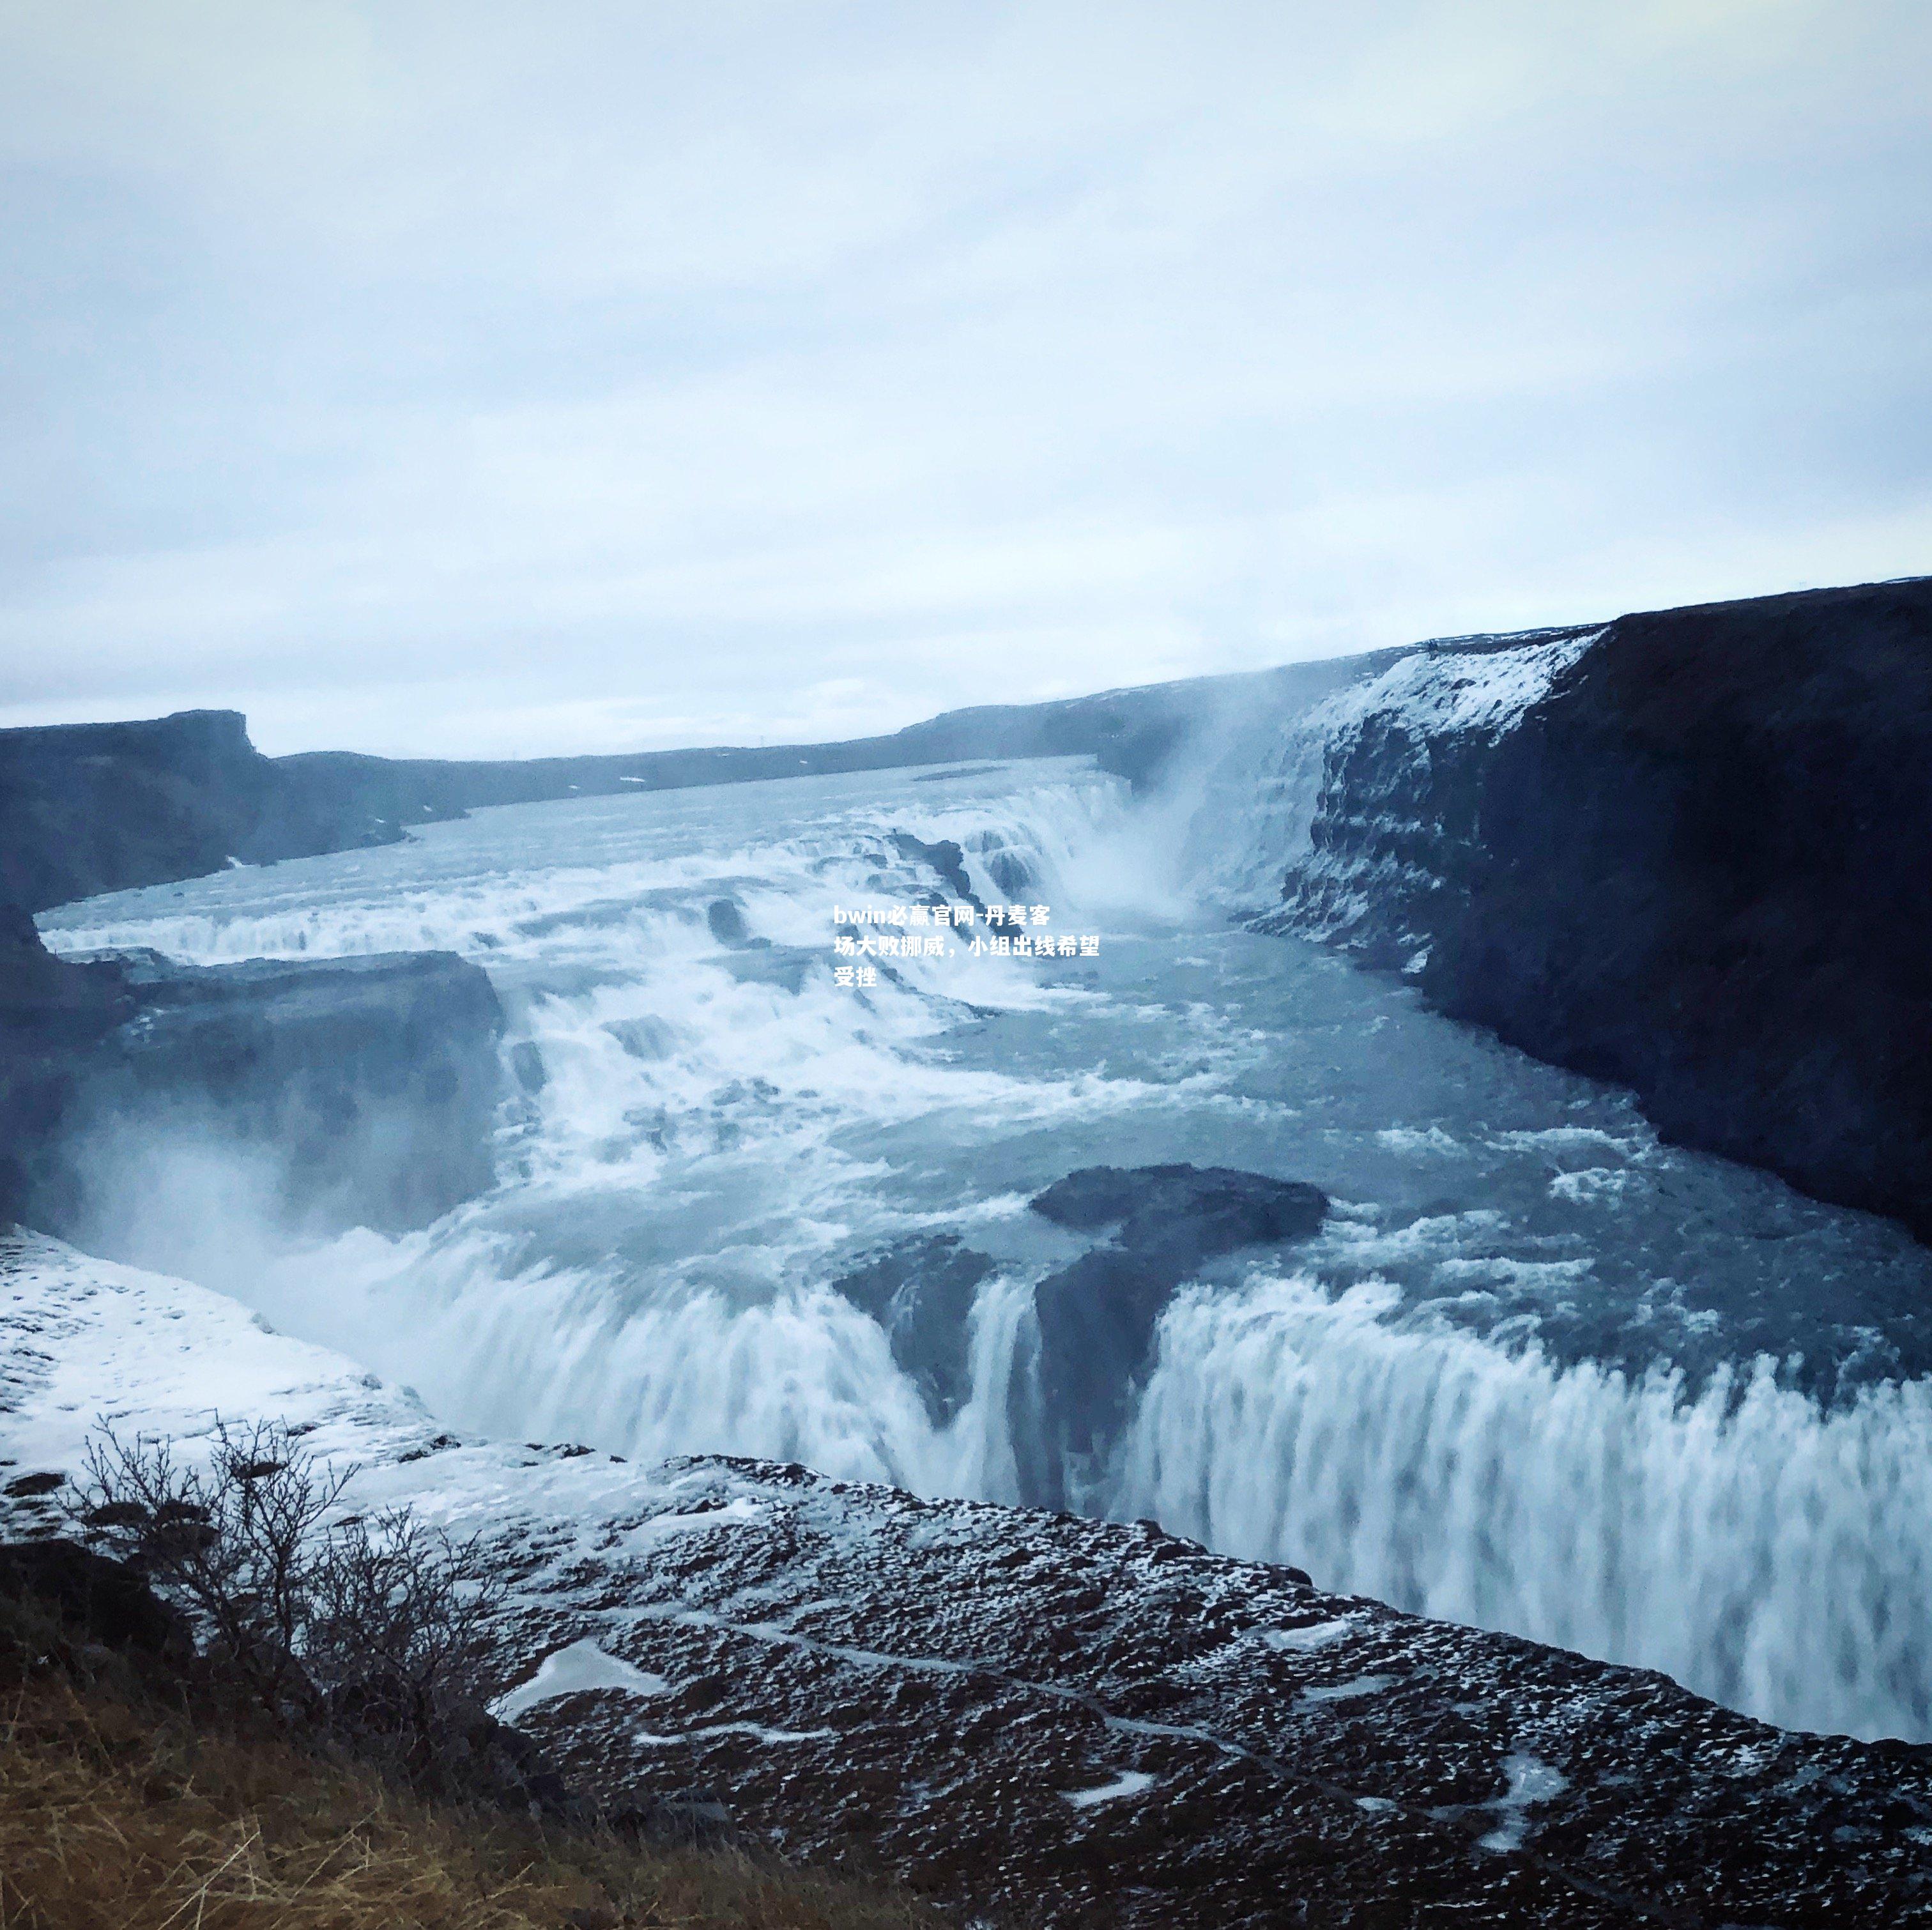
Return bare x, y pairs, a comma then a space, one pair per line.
500, 377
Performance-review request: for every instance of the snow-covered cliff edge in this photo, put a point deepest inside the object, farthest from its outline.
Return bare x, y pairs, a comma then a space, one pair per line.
1685, 852
1075, 1721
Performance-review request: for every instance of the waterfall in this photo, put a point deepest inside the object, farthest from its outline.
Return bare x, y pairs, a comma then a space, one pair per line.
1770, 1554
702, 1134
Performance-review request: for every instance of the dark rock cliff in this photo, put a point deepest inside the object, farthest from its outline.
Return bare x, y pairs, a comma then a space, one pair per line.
87, 808
1696, 864
368, 1085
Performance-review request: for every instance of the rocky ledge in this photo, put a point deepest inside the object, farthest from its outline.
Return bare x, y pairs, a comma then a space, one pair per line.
364, 1089
1095, 1319
1031, 1717
1686, 852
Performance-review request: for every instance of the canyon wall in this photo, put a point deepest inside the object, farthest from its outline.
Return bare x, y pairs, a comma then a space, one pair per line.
364, 1089
1687, 853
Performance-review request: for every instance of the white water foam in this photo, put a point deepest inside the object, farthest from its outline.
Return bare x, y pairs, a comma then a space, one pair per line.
714, 1126
1772, 1556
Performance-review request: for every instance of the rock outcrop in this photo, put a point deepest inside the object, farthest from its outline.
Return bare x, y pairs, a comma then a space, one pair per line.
92, 1597
921, 1291
1026, 1716
1687, 852
1093, 1332
1097, 1316
88, 808
366, 1087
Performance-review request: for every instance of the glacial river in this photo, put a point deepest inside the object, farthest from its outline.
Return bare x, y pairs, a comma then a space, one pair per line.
1539, 1372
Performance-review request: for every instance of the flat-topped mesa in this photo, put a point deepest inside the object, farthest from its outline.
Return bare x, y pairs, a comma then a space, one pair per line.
1687, 853
361, 1090
89, 808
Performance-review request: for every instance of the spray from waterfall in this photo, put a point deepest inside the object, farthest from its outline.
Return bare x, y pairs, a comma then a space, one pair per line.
703, 1134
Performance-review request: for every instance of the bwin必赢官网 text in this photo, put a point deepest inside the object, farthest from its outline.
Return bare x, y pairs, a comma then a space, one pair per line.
935, 931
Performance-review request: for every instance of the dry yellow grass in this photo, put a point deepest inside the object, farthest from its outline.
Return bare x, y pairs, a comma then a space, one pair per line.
112, 1818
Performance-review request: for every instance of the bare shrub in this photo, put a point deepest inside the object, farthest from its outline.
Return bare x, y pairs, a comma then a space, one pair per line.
236, 1541
394, 1598
376, 1627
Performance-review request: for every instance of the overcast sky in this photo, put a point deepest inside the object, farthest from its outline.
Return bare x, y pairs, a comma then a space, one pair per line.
490, 379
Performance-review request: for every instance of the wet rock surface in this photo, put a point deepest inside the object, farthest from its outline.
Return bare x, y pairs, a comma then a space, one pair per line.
725, 918
1028, 1715
1695, 866
1187, 1211
368, 1085
946, 861
1097, 1316
54, 1017
921, 1291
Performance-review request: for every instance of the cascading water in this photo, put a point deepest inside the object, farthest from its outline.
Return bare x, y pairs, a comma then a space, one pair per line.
1440, 1399
1773, 1556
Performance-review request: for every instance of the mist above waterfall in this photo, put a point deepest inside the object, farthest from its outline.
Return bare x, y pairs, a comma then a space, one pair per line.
1539, 1371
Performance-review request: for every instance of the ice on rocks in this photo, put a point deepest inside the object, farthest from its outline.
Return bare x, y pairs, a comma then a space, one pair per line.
1531, 1782
1129, 1782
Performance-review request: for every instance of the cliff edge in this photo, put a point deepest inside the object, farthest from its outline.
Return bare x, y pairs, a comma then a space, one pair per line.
1687, 852
368, 1086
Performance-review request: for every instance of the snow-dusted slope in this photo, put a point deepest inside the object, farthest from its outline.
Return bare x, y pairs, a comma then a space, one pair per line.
1072, 1721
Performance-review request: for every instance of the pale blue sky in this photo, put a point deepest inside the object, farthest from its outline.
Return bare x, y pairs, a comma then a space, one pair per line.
484, 378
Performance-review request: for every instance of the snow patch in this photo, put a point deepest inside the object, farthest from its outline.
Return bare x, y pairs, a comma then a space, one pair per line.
1314, 1635
574, 1670
648, 1739
1129, 1782
1487, 691
735, 1512
1531, 1781
1348, 1692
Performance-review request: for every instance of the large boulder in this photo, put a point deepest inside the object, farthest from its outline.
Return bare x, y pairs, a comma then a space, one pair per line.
1096, 1317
